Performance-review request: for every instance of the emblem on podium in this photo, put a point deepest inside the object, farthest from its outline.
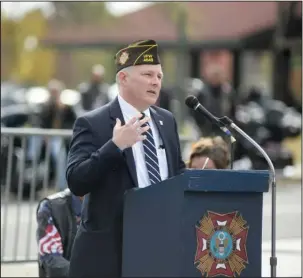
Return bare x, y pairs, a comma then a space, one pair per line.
221, 244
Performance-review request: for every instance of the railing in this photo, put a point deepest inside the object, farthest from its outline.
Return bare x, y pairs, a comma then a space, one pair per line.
29, 171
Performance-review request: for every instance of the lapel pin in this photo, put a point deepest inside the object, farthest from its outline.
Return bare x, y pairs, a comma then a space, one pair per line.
161, 123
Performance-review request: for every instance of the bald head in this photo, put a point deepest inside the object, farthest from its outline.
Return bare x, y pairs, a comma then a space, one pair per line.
215, 75
98, 72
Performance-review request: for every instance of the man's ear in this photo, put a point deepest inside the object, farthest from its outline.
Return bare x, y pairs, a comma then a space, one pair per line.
122, 77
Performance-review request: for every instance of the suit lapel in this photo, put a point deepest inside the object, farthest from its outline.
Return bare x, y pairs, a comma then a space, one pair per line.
160, 123
115, 112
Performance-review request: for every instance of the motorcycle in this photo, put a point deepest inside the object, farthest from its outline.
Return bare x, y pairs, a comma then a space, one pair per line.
268, 122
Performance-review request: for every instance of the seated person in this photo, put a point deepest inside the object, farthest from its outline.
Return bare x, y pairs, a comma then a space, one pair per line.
209, 153
58, 217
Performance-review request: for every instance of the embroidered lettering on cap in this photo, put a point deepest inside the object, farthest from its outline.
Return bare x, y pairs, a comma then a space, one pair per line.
148, 58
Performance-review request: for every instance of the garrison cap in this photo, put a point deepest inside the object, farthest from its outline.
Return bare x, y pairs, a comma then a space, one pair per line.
144, 52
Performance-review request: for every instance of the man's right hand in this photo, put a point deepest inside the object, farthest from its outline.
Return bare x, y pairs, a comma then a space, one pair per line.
127, 135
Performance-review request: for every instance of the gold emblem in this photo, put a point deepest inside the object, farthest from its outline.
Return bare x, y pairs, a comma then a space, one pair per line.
148, 58
123, 58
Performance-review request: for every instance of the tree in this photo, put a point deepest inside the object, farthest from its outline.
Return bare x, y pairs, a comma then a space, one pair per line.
38, 62
8, 46
24, 58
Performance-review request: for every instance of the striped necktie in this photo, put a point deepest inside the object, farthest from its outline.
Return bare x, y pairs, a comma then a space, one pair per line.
151, 158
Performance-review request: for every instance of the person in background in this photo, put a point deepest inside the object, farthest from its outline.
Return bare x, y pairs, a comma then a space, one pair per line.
95, 93
209, 153
165, 99
54, 115
218, 97
58, 218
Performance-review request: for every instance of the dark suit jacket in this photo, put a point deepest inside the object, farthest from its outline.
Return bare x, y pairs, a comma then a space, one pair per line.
98, 169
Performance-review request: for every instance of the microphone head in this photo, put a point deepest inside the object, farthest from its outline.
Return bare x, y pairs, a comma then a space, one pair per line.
191, 101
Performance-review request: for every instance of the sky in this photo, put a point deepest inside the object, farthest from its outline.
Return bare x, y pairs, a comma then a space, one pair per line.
17, 9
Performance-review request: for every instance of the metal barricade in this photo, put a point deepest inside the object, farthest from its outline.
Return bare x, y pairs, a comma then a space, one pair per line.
18, 211
21, 176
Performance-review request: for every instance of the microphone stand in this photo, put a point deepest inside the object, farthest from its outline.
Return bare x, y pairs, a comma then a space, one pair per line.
273, 259
232, 141
232, 149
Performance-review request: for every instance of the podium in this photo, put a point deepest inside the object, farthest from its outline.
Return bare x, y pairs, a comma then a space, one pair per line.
202, 223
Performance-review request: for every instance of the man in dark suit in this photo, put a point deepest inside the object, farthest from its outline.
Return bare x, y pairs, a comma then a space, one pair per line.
125, 144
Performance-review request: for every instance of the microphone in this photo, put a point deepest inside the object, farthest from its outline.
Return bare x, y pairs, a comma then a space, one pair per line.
193, 103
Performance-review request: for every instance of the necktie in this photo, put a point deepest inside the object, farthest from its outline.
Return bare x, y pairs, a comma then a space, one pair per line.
151, 158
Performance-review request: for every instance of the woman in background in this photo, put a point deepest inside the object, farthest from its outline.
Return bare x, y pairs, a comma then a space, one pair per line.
209, 153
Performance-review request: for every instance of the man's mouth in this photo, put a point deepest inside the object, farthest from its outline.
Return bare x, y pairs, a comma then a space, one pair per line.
152, 92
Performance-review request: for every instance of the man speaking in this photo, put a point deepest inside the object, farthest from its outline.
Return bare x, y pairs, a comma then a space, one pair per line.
124, 144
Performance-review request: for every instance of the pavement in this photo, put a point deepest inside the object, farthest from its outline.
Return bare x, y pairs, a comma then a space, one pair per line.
19, 270
289, 258
288, 253
289, 228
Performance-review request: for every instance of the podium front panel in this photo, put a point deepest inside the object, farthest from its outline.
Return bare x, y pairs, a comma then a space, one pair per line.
223, 236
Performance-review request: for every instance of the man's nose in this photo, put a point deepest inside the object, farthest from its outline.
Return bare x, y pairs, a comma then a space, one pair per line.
156, 81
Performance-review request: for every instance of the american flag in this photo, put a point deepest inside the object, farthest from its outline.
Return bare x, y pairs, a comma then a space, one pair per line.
50, 243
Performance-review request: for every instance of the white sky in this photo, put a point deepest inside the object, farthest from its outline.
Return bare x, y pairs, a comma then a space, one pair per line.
119, 8
17, 9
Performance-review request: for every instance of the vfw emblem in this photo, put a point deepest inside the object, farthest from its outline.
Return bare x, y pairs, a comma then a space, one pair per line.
221, 244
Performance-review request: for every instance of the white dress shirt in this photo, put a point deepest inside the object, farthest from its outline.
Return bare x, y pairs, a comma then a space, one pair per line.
128, 112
